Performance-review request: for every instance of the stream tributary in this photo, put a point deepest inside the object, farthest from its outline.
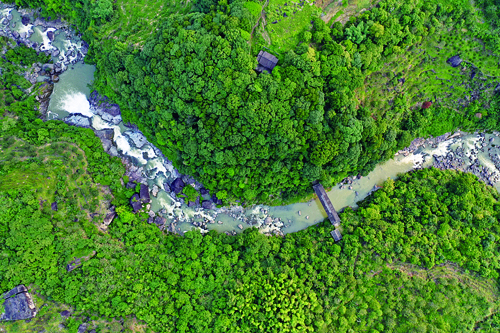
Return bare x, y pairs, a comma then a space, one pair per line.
73, 102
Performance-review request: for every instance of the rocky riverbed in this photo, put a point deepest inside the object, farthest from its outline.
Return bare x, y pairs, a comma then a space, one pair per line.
52, 38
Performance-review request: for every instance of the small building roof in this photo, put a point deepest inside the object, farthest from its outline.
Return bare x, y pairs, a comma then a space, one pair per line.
336, 235
266, 61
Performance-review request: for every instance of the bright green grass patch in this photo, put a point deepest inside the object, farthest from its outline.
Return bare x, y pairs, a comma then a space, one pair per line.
254, 8
290, 20
245, 34
135, 20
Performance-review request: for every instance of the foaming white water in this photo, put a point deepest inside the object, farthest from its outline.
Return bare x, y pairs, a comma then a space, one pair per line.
442, 149
100, 124
124, 146
76, 102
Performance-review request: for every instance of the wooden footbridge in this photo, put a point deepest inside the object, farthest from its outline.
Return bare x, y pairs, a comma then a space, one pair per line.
330, 210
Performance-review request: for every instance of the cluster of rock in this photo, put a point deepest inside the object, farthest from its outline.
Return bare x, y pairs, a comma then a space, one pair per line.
76, 51
426, 142
17, 305
348, 182
81, 329
467, 160
138, 200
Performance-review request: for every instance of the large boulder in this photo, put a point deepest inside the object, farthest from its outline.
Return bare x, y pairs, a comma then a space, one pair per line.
177, 186
160, 221
51, 35
82, 328
454, 61
54, 206
113, 110
215, 200
17, 305
207, 204
109, 218
78, 120
25, 20
137, 138
144, 192
46, 90
135, 202
73, 264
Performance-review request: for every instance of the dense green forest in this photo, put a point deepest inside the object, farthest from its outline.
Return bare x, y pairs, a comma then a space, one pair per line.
419, 255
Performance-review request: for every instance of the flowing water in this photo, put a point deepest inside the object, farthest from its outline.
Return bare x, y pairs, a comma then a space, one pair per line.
71, 93
70, 100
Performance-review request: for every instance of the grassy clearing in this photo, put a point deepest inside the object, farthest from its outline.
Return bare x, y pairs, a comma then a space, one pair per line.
50, 171
135, 20
286, 20
427, 76
485, 287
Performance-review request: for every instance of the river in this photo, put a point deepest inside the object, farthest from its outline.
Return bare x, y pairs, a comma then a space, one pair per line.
73, 102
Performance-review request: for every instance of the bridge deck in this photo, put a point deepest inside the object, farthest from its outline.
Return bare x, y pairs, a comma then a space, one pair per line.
327, 204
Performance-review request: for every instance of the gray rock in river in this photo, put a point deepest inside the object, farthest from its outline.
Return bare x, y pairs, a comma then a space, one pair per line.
155, 190
25, 20
16, 35
207, 204
144, 192
46, 90
216, 200
160, 221
17, 305
137, 138
113, 110
78, 120
106, 134
51, 35
177, 186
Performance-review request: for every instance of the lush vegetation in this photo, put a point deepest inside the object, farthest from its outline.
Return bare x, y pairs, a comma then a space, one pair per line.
342, 98
421, 254
253, 283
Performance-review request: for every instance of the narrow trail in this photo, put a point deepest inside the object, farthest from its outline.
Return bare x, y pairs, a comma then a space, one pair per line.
261, 17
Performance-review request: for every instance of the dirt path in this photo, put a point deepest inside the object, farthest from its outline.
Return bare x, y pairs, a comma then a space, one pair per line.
261, 17
349, 11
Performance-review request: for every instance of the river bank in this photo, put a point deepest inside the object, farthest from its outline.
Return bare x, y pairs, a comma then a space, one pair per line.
72, 101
